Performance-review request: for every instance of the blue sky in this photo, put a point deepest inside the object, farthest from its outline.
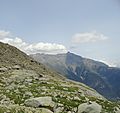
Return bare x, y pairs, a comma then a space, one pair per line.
58, 21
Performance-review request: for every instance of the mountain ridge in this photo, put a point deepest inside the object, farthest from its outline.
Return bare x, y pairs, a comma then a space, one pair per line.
90, 72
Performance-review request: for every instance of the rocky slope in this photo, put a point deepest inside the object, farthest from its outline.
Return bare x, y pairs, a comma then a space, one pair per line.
95, 74
27, 86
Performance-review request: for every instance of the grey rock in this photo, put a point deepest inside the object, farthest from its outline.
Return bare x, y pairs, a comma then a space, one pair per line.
75, 109
59, 110
92, 107
28, 94
3, 69
117, 110
44, 110
17, 67
69, 112
76, 98
40, 102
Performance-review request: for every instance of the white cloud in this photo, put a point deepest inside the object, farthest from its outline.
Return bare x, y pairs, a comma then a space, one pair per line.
114, 63
4, 34
48, 48
88, 37
109, 62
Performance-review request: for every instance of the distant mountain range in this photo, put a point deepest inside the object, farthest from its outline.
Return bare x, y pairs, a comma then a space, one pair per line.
101, 77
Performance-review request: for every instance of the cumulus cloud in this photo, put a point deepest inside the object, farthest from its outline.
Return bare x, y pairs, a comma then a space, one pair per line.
4, 34
40, 47
88, 37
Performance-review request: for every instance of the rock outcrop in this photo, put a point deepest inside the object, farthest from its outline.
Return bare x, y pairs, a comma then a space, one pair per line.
40, 102
90, 107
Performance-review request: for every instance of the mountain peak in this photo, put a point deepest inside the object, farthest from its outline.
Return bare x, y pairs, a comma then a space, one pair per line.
93, 73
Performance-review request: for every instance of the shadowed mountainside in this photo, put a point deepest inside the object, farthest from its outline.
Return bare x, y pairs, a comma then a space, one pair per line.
95, 74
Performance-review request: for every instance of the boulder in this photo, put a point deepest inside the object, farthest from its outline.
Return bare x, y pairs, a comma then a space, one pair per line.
17, 67
3, 69
44, 110
117, 110
59, 110
40, 102
91, 107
